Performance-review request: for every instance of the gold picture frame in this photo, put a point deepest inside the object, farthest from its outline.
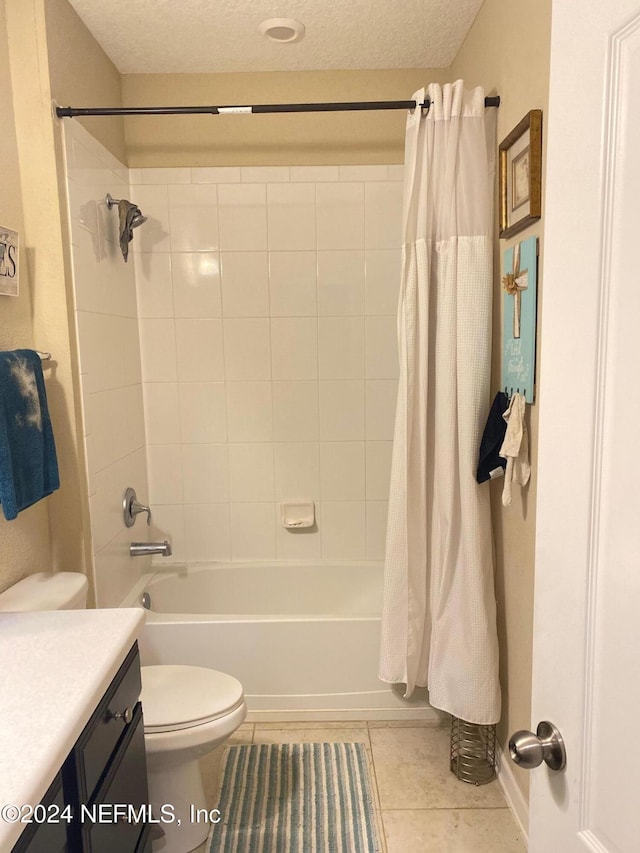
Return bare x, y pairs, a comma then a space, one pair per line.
520, 157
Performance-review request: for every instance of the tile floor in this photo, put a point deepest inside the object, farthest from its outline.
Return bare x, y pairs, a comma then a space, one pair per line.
421, 807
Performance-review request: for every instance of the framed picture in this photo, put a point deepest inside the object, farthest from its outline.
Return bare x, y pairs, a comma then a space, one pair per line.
521, 175
519, 281
8, 262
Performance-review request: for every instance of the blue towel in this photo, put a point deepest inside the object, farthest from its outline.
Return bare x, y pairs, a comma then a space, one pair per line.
28, 463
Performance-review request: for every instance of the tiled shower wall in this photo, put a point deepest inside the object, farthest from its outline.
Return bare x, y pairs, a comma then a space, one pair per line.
109, 354
267, 301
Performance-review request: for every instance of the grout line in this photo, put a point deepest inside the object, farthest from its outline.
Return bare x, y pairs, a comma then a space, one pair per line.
450, 809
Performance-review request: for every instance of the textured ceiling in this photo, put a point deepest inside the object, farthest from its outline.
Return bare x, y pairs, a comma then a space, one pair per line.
182, 36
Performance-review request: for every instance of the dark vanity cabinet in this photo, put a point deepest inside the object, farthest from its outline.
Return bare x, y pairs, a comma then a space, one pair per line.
103, 782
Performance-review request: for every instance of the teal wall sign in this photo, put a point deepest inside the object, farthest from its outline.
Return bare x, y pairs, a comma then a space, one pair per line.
519, 282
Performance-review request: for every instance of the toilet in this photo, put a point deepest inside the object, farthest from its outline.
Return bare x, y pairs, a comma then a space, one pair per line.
188, 711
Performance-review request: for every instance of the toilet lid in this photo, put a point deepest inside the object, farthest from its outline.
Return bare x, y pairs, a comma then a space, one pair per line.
178, 697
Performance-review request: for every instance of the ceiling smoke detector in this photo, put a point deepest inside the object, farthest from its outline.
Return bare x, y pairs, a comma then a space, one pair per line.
282, 30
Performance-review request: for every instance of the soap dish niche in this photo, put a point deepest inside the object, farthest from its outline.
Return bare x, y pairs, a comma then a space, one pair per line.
298, 515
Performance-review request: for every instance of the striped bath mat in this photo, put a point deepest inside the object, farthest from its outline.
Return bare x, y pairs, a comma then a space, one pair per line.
295, 798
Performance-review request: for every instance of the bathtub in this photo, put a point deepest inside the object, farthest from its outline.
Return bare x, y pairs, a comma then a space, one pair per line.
302, 639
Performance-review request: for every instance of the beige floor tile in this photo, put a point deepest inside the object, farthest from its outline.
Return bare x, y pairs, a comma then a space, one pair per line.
452, 831
315, 724
211, 765
319, 734
409, 724
412, 772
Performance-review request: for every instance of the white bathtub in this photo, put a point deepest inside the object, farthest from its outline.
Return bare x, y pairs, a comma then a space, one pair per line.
302, 639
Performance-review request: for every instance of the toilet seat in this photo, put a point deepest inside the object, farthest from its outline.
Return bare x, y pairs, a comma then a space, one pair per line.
180, 697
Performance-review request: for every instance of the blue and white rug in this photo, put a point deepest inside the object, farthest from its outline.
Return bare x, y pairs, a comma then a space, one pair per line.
295, 798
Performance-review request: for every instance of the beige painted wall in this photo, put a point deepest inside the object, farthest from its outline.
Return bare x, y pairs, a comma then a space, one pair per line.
245, 140
81, 74
521, 77
46, 52
24, 543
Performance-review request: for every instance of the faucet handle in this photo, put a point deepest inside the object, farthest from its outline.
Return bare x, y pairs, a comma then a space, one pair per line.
132, 507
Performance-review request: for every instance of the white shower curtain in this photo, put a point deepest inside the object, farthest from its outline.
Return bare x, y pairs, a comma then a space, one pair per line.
439, 614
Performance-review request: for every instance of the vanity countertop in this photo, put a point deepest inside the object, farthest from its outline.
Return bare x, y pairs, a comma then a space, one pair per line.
54, 668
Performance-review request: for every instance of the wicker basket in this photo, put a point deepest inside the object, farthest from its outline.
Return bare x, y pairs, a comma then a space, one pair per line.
473, 752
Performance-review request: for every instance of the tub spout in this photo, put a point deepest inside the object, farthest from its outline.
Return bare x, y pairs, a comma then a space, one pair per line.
141, 549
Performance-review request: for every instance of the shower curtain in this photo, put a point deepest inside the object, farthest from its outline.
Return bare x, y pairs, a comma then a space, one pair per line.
439, 614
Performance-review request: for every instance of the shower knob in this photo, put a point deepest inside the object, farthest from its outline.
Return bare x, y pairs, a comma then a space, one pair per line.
529, 750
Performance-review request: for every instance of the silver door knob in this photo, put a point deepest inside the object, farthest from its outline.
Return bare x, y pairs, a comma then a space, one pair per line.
126, 715
529, 750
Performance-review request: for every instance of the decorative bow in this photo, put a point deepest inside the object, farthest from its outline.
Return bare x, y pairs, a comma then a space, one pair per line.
514, 283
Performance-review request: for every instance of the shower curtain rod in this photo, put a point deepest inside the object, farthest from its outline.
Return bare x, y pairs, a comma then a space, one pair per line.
72, 112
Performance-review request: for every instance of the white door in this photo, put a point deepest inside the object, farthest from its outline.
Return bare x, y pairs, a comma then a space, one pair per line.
587, 601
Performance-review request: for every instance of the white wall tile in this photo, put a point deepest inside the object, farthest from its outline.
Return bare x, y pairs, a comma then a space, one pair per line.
247, 349
273, 412
249, 411
215, 175
165, 176
363, 173
291, 212
87, 256
168, 523
264, 174
202, 412
158, 350
165, 474
114, 438
378, 455
253, 531
242, 217
124, 351
342, 410
383, 215
245, 284
301, 544
153, 284
295, 411
342, 470
382, 281
294, 348
196, 284
376, 529
292, 284
207, 532
199, 350
153, 235
381, 348
341, 347
251, 476
315, 174
381, 395
205, 473
340, 215
116, 572
297, 471
343, 530
193, 218
161, 412
340, 283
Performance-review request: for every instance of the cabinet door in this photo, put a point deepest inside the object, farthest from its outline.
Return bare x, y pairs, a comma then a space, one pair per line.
49, 837
125, 784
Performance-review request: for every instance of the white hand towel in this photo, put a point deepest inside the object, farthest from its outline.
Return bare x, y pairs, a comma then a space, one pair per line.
515, 447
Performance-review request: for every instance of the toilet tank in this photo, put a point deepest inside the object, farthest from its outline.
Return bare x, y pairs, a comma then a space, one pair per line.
47, 591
